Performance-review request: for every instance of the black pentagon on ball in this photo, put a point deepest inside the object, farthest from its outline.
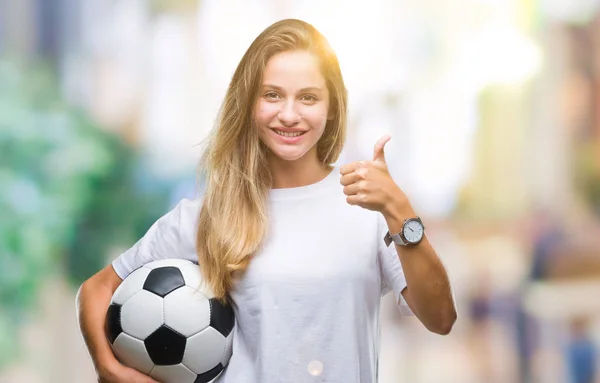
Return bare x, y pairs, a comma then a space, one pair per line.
113, 322
221, 317
165, 346
210, 374
161, 281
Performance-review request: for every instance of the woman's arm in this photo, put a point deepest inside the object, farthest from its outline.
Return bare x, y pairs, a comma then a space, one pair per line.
428, 292
368, 184
93, 299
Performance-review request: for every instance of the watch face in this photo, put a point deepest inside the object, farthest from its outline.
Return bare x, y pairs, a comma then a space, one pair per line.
413, 231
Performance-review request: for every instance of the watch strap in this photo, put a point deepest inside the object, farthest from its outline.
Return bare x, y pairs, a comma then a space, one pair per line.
396, 238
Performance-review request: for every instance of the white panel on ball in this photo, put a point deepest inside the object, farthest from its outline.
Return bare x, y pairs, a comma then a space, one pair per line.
204, 350
193, 278
186, 311
131, 285
176, 262
228, 349
132, 353
173, 374
151, 307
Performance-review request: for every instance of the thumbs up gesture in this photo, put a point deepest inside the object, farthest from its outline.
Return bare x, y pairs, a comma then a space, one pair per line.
369, 184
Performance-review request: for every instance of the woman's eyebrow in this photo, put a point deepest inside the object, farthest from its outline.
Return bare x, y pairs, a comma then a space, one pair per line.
307, 89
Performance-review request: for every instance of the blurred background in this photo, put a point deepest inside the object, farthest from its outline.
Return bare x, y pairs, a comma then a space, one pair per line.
494, 111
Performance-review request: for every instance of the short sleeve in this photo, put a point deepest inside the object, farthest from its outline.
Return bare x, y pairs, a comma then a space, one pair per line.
392, 275
171, 236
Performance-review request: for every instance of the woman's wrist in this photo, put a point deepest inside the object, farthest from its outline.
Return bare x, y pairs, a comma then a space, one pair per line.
397, 211
107, 365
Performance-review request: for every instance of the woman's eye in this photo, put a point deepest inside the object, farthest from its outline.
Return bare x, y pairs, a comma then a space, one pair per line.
271, 95
309, 98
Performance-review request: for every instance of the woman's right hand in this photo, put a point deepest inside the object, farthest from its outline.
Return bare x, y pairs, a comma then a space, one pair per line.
118, 373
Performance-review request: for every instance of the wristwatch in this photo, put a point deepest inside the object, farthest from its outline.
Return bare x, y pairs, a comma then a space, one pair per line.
411, 233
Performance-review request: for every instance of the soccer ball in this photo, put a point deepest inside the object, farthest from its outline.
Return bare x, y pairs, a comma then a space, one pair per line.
164, 322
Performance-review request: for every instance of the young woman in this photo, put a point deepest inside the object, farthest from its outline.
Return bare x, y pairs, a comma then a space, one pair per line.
302, 250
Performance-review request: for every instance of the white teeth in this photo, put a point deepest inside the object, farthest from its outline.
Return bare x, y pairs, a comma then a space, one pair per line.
286, 134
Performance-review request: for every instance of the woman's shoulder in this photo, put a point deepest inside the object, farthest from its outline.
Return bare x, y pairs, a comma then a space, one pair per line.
186, 211
185, 216
189, 205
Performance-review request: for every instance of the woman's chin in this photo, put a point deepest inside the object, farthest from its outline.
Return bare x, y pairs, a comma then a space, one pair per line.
289, 155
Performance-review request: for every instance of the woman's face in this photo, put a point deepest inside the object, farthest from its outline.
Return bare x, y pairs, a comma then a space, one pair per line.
293, 104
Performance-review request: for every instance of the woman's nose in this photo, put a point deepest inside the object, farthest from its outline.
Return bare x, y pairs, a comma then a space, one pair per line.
288, 114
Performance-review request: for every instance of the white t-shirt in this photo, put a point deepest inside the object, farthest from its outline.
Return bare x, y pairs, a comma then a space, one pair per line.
307, 308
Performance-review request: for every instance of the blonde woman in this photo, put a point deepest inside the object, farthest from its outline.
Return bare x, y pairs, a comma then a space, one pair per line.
303, 251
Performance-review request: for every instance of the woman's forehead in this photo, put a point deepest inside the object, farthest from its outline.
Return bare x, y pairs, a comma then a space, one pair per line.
297, 69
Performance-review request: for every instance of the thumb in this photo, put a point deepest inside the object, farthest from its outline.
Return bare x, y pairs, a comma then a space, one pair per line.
378, 153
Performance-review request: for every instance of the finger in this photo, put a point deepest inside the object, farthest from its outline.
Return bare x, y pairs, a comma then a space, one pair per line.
351, 167
378, 152
354, 199
353, 189
351, 178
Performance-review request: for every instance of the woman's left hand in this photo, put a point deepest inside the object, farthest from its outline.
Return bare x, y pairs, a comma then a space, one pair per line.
368, 184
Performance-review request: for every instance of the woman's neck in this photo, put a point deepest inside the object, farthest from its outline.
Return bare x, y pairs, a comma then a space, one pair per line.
290, 174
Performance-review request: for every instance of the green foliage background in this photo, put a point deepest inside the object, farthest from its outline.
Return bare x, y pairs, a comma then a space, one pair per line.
69, 192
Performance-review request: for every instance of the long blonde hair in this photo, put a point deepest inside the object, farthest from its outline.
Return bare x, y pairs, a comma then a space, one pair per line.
233, 220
